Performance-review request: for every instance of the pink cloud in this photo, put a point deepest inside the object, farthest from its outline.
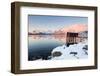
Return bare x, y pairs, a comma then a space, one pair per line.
75, 28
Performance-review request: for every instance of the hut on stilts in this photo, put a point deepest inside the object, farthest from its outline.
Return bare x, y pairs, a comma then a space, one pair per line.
71, 38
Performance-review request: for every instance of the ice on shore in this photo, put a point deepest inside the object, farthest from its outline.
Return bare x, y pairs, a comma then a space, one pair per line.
75, 51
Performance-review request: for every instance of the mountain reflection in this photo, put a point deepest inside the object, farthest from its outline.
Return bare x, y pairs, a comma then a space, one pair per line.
55, 37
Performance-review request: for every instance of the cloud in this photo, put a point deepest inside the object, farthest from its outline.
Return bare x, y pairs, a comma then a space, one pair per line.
75, 28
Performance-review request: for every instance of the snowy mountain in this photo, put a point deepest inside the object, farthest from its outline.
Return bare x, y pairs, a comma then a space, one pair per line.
83, 34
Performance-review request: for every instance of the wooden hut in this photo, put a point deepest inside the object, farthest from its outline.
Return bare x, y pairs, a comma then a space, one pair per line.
71, 38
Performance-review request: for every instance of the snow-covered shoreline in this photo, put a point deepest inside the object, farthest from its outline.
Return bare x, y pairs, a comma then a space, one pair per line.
75, 51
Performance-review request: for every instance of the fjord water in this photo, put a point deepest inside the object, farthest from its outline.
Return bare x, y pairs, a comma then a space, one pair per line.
41, 46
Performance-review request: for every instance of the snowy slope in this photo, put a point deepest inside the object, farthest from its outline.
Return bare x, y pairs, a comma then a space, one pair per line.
74, 51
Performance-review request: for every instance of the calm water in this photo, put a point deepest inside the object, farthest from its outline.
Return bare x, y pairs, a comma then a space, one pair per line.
41, 46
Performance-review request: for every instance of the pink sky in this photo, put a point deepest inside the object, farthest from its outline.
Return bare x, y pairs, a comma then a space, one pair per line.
75, 28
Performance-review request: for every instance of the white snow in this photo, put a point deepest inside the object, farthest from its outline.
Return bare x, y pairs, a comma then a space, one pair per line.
74, 51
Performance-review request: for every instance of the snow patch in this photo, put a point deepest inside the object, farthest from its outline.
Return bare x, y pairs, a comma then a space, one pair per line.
74, 51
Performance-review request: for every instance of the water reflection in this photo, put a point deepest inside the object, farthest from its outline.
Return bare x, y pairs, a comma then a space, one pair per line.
55, 37
40, 46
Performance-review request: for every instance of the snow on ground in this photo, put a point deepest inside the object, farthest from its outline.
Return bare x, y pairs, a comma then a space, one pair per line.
74, 51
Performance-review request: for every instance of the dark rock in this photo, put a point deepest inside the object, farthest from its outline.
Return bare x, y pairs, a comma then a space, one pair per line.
56, 54
85, 47
74, 53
